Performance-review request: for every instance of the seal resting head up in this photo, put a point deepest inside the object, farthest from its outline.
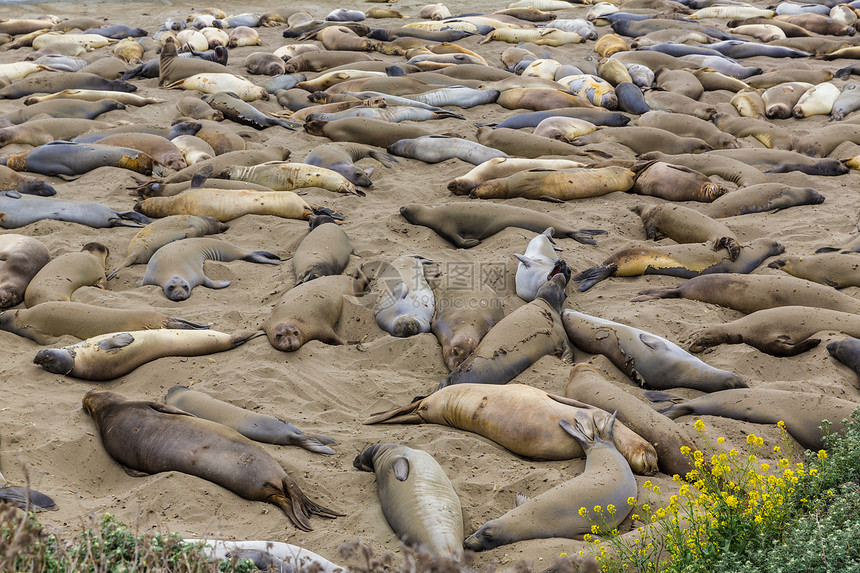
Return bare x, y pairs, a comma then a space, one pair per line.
287, 337
406, 326
177, 289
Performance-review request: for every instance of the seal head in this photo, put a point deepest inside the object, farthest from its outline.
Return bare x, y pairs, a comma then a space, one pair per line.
56, 360
177, 289
408, 325
287, 337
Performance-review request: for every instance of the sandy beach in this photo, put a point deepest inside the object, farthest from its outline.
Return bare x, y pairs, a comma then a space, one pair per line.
332, 389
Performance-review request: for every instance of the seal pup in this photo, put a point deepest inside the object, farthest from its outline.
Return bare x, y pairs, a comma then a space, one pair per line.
323, 251
769, 406
62, 276
521, 418
47, 321
406, 304
779, 331
464, 315
685, 225
148, 437
588, 385
109, 356
518, 340
158, 233
254, 425
465, 225
178, 266
538, 265
341, 157
749, 293
417, 498
11, 180
607, 480
688, 260
21, 259
310, 311
649, 360
837, 270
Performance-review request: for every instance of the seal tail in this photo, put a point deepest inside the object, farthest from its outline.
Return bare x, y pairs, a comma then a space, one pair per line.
130, 219
590, 277
242, 338
26, 498
655, 293
402, 415
676, 411
730, 244
584, 236
128, 261
297, 506
262, 257
182, 324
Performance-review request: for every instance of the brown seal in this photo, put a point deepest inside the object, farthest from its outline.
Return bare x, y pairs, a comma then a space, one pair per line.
679, 81
771, 136
310, 311
679, 103
588, 385
222, 161
685, 225
264, 63
565, 510
158, 233
645, 139
729, 169
253, 425
686, 261
172, 68
21, 259
541, 99
676, 183
324, 251
323, 60
148, 437
463, 317
502, 167
58, 279
767, 406
763, 197
562, 185
780, 99
832, 269
161, 149
227, 204
11, 179
518, 417
520, 144
649, 360
465, 225
749, 293
196, 108
365, 130
46, 322
779, 331
686, 125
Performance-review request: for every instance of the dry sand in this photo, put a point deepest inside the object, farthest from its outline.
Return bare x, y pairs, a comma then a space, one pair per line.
330, 389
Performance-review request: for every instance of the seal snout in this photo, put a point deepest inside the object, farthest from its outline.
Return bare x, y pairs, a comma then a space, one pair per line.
177, 289
286, 337
833, 348
777, 264
55, 360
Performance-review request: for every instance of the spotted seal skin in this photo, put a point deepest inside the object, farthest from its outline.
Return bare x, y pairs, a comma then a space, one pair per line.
417, 498
21, 258
169, 440
606, 480
649, 360
178, 266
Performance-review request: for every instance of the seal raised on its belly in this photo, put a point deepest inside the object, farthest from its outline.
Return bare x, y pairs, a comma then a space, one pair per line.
148, 437
58, 279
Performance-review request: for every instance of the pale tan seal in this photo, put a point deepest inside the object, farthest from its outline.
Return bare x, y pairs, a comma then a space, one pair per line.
324, 251
21, 259
561, 185
227, 204
58, 279
464, 315
685, 225
172, 68
832, 269
675, 183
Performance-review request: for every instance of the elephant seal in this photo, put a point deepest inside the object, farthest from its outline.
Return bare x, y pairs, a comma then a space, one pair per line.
521, 418
158, 233
438, 148
406, 305
243, 113
233, 157
213, 83
24, 133
557, 185
340, 157
515, 142
606, 481
324, 251
767, 406
538, 265
109, 356
595, 116
498, 167
64, 108
780, 99
253, 425
818, 100
762, 197
46, 322
689, 126
227, 204
749, 293
417, 498
685, 225
310, 311
160, 149
283, 176
649, 360
587, 385
264, 63
463, 317
62, 276
708, 164
465, 225
65, 158
53, 83
820, 142
196, 108
837, 270
564, 129
685, 261
846, 352
19, 211
675, 183
148, 437
518, 340
645, 139
779, 331
178, 266
365, 130
21, 259
172, 68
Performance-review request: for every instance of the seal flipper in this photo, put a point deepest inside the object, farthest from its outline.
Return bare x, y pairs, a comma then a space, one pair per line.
590, 277
400, 467
135, 473
584, 236
297, 506
660, 396
263, 257
18, 496
129, 219
653, 342
655, 293
521, 499
209, 283
402, 415
116, 342
182, 324
172, 410
783, 346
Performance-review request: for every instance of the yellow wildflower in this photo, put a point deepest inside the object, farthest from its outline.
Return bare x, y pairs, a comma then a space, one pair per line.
699, 425
610, 508
822, 454
582, 511
631, 500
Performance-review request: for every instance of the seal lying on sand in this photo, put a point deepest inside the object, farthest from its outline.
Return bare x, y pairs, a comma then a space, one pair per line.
21, 258
148, 437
